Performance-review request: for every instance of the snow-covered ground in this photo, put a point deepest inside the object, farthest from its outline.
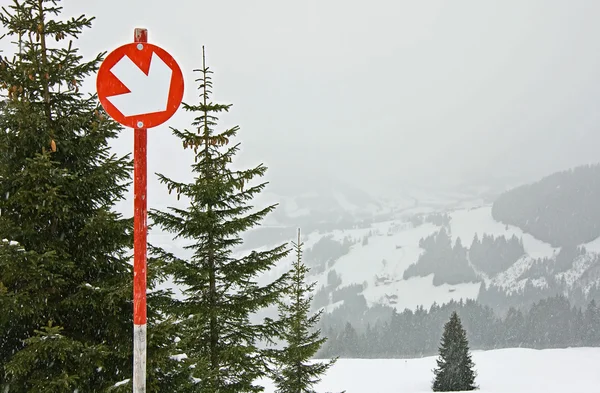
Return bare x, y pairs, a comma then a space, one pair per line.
466, 223
381, 264
573, 370
393, 245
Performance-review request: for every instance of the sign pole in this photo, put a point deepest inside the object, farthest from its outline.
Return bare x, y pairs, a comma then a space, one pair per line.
140, 231
140, 86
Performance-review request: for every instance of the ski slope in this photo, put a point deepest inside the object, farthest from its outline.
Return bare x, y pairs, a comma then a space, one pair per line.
573, 370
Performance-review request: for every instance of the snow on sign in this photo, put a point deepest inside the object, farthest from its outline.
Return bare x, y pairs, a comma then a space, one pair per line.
140, 85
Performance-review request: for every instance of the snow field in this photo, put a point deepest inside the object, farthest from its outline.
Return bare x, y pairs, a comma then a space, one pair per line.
516, 370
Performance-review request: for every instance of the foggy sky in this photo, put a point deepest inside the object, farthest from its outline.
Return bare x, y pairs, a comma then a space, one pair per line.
380, 93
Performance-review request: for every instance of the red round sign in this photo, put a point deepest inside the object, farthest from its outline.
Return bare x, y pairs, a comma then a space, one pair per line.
140, 85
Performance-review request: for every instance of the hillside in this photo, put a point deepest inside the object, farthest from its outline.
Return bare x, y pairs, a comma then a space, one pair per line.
371, 255
561, 209
418, 259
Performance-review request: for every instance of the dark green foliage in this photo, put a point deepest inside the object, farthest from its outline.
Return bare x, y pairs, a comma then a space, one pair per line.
321, 297
454, 371
354, 310
514, 324
295, 373
349, 341
65, 277
416, 220
58, 183
333, 279
591, 325
77, 362
438, 219
554, 312
346, 292
494, 255
549, 323
326, 252
221, 290
560, 209
448, 264
565, 258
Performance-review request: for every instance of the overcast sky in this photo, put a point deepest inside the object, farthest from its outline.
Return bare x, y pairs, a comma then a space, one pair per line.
381, 93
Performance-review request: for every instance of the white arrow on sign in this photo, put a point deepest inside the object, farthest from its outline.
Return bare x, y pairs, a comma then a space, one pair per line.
148, 93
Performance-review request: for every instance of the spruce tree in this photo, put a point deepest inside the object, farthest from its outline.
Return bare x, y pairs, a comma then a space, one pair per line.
295, 373
220, 289
454, 370
592, 324
65, 277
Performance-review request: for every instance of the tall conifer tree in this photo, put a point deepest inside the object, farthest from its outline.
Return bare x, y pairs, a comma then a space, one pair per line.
65, 277
454, 370
295, 372
220, 290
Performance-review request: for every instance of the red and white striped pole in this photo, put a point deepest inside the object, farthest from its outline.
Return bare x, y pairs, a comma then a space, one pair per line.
141, 86
140, 230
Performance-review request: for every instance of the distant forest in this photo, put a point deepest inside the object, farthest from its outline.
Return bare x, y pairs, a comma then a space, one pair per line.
355, 309
561, 209
549, 323
447, 263
455, 264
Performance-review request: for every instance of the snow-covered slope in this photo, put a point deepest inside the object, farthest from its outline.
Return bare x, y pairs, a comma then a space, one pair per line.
573, 370
381, 251
391, 247
370, 242
468, 222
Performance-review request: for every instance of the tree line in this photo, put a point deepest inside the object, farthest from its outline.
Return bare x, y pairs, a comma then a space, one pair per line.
550, 323
451, 263
447, 262
65, 254
493, 255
